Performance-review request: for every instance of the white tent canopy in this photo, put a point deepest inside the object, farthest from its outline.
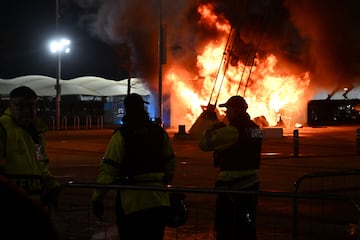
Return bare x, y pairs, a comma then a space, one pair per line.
88, 85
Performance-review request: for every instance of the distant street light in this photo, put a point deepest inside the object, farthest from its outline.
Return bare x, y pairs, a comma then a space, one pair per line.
59, 46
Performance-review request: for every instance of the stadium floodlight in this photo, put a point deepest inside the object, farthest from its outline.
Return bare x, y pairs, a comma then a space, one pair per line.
60, 46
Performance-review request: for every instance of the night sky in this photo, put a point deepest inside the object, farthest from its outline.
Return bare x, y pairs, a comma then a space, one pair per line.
118, 38
28, 26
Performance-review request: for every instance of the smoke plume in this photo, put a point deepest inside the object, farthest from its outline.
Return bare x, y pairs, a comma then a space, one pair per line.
333, 34
322, 37
132, 28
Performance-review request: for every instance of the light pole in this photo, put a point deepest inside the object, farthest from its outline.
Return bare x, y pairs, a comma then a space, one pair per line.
161, 61
59, 46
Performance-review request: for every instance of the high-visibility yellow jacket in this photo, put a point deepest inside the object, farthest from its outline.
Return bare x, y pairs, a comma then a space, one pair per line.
25, 162
219, 138
111, 172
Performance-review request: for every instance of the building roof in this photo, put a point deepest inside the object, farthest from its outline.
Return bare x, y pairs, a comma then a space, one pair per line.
87, 85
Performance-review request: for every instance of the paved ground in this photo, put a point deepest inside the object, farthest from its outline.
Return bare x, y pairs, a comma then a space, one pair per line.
74, 153
75, 156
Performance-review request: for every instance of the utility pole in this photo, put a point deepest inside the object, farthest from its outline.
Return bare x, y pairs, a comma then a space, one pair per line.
58, 74
161, 61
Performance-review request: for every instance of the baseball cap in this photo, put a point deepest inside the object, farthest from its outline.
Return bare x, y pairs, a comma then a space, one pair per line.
235, 102
134, 102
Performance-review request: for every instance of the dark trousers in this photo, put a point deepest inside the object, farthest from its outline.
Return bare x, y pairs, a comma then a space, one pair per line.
235, 214
144, 224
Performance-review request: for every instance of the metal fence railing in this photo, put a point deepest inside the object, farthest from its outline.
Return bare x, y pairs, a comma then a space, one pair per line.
345, 183
317, 215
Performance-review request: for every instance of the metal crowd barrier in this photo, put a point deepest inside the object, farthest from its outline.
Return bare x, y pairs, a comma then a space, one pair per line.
77, 122
74, 218
344, 183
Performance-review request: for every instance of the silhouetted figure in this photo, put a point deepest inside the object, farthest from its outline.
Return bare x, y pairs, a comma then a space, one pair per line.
237, 152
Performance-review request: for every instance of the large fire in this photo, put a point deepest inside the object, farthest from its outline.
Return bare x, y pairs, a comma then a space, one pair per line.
269, 93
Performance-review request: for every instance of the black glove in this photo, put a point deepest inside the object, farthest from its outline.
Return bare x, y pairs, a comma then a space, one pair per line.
98, 209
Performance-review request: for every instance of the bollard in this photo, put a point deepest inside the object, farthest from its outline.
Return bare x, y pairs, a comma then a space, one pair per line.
76, 122
52, 122
64, 122
181, 134
100, 122
182, 129
358, 141
296, 142
88, 122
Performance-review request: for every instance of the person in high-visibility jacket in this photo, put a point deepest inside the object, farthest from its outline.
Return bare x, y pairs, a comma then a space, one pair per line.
237, 152
139, 153
24, 161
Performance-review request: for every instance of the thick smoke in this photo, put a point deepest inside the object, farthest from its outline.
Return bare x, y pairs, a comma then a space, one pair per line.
306, 35
318, 36
132, 28
333, 32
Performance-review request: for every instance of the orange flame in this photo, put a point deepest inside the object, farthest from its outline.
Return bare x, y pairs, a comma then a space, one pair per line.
209, 18
269, 93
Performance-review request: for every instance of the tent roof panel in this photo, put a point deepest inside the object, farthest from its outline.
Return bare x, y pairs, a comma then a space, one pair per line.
88, 85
